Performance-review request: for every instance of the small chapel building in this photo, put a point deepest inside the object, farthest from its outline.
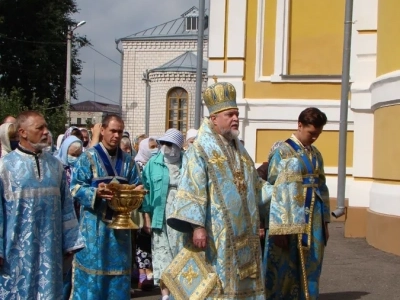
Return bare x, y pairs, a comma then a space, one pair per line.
164, 58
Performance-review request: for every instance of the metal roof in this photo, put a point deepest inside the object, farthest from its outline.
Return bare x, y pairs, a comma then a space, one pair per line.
187, 62
94, 106
174, 29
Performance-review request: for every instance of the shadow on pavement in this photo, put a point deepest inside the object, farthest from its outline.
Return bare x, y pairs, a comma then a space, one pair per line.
154, 293
343, 295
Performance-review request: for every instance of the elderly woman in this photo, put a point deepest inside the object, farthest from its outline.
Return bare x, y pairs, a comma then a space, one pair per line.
8, 138
70, 150
190, 137
72, 131
69, 153
147, 149
85, 137
161, 175
126, 145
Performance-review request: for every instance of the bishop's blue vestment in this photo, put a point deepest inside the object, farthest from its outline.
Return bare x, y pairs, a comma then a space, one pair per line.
38, 226
299, 210
102, 270
220, 191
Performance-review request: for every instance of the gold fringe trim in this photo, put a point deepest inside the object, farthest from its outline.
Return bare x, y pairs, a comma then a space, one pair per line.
303, 267
100, 272
285, 229
248, 271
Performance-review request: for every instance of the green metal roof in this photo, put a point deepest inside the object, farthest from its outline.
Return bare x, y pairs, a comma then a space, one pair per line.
187, 62
174, 29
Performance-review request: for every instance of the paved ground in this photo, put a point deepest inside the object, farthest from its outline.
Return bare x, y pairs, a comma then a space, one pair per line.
352, 270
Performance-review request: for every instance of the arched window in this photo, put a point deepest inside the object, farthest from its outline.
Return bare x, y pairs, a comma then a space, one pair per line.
177, 109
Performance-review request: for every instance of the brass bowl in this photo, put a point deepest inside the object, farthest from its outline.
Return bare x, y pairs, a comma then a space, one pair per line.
126, 199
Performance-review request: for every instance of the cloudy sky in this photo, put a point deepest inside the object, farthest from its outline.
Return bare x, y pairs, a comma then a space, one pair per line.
107, 20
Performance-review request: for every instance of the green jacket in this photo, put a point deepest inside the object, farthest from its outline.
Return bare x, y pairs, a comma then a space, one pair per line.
156, 180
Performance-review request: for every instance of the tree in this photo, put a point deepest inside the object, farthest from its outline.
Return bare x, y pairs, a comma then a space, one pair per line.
33, 49
13, 104
89, 124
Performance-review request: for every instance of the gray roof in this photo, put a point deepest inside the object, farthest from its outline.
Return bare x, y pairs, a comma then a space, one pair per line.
187, 62
174, 29
94, 106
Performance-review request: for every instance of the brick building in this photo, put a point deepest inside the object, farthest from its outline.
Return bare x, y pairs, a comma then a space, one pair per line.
91, 112
168, 53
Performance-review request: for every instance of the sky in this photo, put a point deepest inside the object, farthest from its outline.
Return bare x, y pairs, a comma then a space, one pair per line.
106, 21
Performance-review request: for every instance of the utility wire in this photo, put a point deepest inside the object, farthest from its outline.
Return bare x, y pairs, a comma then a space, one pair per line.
103, 55
97, 94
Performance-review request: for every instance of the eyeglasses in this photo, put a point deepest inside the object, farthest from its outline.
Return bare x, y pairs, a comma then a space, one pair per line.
168, 144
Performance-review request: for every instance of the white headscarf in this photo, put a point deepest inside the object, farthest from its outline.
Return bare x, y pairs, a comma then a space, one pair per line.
4, 139
191, 133
144, 153
59, 141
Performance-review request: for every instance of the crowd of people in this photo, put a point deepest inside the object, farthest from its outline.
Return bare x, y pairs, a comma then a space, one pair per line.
212, 226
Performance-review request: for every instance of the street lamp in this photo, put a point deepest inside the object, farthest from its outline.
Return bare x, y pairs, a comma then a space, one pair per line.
68, 75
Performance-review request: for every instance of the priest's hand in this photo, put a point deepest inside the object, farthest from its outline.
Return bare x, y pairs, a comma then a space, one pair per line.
200, 237
282, 241
139, 188
103, 192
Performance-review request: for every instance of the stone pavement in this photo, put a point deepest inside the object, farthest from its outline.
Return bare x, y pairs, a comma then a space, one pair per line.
352, 270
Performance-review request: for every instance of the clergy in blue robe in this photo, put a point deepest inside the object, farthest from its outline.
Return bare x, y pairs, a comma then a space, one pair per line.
216, 209
38, 225
299, 213
103, 269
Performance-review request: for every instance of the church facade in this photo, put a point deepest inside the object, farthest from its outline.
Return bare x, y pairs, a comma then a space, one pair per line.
283, 56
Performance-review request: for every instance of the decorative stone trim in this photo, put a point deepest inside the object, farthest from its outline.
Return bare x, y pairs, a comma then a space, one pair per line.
385, 90
175, 76
173, 45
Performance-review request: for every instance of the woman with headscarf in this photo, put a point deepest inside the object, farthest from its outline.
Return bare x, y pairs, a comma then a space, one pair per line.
190, 137
73, 130
147, 148
126, 145
85, 138
161, 176
136, 141
69, 153
8, 138
60, 138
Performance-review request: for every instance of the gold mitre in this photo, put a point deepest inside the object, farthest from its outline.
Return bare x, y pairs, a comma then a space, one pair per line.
220, 96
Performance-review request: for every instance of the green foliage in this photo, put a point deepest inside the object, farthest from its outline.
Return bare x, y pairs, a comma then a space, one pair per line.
89, 124
33, 36
13, 104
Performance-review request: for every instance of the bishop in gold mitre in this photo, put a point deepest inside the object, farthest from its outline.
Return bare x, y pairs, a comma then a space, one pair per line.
216, 209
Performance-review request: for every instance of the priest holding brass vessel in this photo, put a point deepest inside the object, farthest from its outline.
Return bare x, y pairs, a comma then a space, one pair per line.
106, 182
126, 198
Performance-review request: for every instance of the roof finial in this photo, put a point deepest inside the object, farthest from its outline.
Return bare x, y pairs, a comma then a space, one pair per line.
215, 79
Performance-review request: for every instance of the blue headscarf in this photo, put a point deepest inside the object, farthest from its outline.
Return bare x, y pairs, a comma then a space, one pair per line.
62, 154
